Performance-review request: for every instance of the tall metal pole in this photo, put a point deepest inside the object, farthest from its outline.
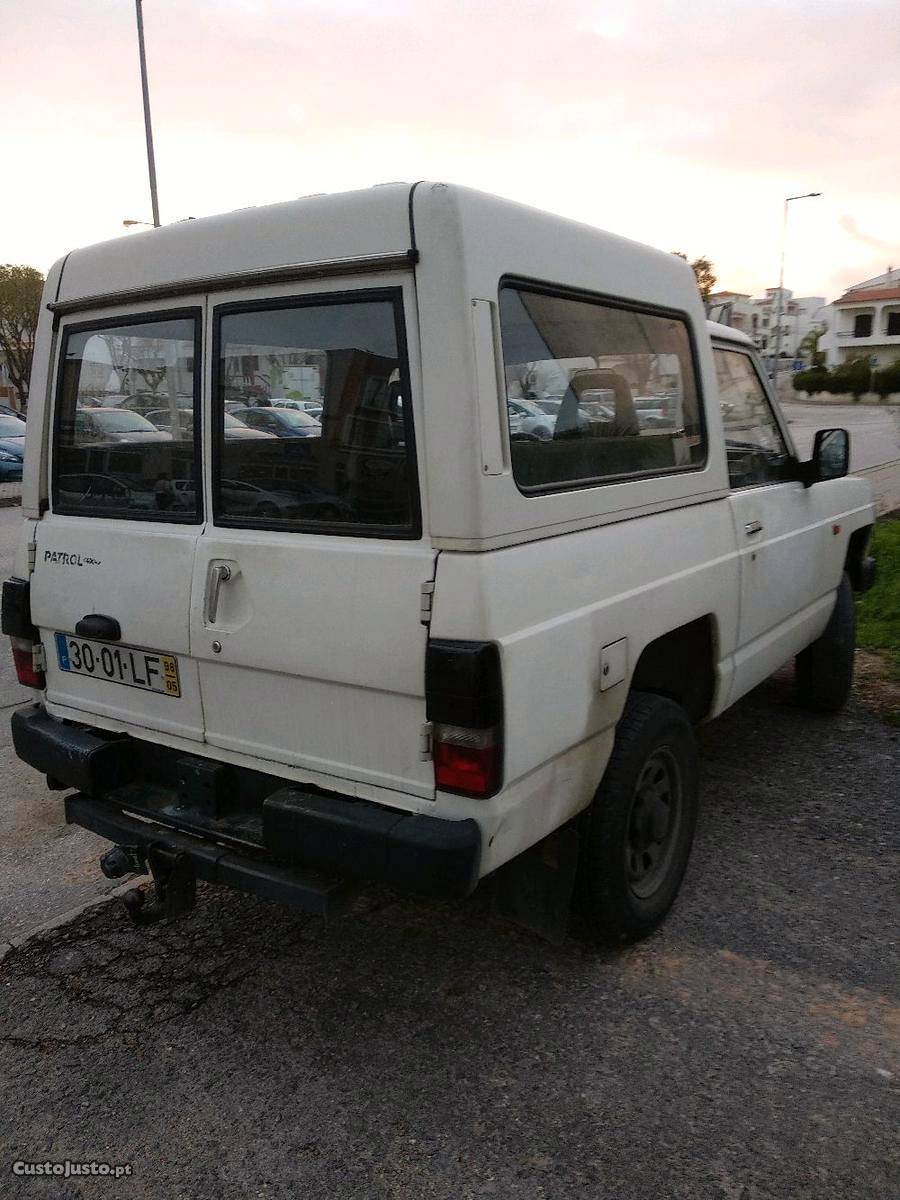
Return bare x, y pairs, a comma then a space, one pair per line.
788, 199
151, 162
780, 295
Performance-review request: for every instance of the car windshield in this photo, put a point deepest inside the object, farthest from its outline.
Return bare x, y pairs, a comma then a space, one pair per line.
11, 427
232, 422
118, 421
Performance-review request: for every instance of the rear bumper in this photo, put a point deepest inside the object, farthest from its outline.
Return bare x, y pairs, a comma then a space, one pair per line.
243, 828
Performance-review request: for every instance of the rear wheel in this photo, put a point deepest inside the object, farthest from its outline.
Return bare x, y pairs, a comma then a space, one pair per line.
825, 668
638, 832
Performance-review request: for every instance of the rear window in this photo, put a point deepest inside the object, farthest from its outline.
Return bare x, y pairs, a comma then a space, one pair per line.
351, 469
109, 460
596, 391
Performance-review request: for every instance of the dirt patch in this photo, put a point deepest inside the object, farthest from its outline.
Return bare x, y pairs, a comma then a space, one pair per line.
876, 686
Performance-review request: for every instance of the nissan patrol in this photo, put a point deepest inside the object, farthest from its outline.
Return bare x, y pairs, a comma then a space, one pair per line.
480, 652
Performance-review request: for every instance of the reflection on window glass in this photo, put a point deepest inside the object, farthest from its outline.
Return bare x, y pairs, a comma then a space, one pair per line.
756, 450
595, 392
124, 430
314, 426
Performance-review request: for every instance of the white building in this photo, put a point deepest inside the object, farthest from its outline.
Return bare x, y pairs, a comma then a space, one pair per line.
758, 318
865, 322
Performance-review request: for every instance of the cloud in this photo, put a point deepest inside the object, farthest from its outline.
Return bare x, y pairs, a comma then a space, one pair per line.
684, 125
850, 226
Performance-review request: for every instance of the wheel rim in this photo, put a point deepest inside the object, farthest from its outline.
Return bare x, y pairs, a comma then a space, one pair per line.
654, 822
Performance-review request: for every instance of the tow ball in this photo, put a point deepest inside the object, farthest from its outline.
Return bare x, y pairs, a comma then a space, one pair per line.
174, 881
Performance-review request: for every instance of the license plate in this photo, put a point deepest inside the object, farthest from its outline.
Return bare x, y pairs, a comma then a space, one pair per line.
150, 670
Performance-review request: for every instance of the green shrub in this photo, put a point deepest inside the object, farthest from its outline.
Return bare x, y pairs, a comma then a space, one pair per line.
854, 377
887, 380
814, 380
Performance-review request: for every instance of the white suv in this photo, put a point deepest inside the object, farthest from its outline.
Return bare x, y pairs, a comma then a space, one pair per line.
476, 654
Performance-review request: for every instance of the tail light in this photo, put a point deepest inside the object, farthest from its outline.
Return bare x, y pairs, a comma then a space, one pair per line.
23, 656
15, 621
464, 702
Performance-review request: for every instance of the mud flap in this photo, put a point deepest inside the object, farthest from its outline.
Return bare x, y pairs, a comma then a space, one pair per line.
535, 888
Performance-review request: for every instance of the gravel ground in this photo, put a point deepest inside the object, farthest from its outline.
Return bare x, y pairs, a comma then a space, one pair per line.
750, 1049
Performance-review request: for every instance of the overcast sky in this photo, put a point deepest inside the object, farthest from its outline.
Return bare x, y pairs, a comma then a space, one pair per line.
681, 123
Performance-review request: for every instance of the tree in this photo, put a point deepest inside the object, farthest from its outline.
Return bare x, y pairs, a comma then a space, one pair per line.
809, 347
704, 271
20, 302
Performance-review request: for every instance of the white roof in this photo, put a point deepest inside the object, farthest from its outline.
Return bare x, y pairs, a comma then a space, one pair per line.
313, 229
373, 223
726, 334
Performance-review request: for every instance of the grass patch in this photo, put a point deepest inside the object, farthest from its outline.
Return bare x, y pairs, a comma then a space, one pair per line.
878, 611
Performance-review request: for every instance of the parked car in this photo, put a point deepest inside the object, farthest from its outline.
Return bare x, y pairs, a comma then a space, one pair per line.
656, 411
97, 491
12, 447
588, 410
11, 464
246, 499
115, 425
489, 666
528, 419
6, 411
235, 430
282, 422
307, 406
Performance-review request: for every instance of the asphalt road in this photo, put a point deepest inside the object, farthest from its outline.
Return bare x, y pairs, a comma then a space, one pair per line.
750, 1049
874, 432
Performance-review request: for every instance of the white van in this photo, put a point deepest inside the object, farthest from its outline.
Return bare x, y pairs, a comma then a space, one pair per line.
413, 644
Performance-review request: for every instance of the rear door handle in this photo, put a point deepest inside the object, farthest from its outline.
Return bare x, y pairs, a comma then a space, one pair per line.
753, 527
219, 573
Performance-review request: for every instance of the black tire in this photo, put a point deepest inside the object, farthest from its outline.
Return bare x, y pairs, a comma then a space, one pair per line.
627, 881
825, 668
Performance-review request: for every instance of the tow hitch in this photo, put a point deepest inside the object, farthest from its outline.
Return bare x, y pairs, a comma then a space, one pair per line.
174, 881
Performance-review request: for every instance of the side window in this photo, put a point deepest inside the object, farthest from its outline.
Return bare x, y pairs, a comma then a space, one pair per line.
350, 468
756, 451
596, 392
123, 436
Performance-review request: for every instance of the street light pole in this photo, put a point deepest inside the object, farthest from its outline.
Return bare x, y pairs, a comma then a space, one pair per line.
788, 199
151, 162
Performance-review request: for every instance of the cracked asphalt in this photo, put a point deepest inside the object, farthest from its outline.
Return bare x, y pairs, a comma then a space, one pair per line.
750, 1049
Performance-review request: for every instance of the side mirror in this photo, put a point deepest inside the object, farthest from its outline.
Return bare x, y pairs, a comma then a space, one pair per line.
830, 456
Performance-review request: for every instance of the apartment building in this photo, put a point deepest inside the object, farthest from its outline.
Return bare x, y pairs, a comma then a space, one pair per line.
758, 318
865, 322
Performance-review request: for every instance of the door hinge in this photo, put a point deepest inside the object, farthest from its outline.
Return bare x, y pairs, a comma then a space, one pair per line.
38, 657
425, 742
32, 555
426, 602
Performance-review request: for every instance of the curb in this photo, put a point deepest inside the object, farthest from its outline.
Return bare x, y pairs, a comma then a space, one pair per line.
70, 914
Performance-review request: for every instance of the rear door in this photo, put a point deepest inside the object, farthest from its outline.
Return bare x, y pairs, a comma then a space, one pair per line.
114, 554
308, 579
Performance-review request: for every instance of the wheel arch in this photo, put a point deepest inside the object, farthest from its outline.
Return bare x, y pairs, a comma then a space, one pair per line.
680, 665
857, 552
